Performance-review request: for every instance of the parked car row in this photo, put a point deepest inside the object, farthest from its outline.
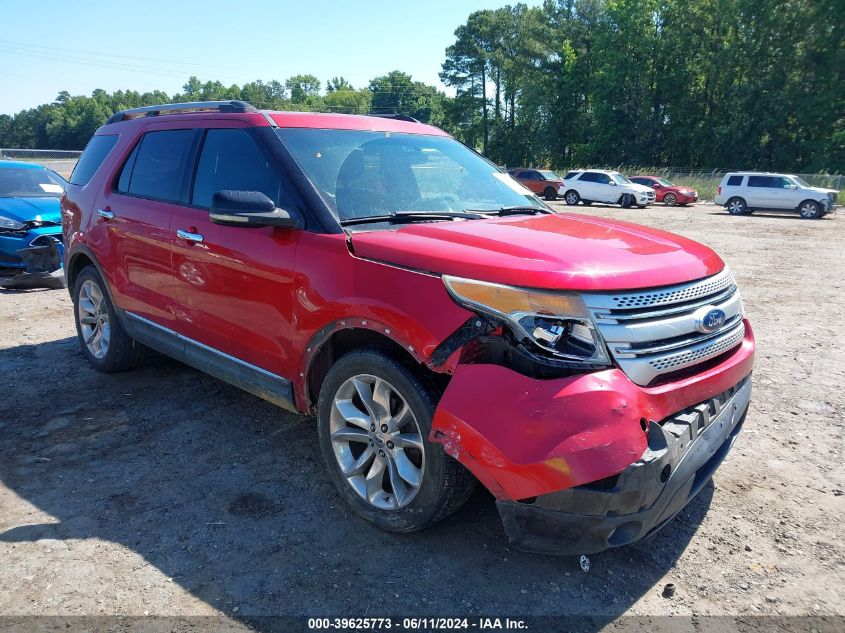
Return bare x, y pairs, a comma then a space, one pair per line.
599, 185
739, 192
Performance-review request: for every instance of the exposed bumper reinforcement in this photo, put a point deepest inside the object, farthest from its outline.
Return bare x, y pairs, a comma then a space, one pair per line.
683, 453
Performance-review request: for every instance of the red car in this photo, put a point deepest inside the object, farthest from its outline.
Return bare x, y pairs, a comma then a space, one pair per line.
541, 181
666, 192
442, 325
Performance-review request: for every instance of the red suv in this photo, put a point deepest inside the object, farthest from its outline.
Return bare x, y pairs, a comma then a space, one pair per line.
540, 181
444, 326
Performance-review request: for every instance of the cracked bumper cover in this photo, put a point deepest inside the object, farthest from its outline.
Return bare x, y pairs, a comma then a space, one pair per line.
525, 438
682, 455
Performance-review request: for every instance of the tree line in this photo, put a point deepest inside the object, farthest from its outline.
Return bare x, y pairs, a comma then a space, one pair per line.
692, 83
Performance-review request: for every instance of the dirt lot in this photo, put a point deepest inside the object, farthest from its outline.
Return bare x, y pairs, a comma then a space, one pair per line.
163, 491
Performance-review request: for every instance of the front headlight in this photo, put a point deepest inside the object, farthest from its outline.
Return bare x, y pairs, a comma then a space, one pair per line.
558, 323
9, 223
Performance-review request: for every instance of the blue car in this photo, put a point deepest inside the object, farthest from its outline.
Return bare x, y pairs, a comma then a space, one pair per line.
30, 220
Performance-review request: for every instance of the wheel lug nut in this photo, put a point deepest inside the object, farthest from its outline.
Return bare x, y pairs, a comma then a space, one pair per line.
390, 445
372, 443
381, 453
384, 428
373, 428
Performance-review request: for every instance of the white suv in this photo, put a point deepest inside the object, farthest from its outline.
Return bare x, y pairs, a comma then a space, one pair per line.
744, 192
599, 185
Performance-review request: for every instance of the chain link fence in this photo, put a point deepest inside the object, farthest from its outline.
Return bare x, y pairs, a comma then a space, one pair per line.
61, 161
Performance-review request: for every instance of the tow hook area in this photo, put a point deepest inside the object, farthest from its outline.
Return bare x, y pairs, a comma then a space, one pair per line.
682, 454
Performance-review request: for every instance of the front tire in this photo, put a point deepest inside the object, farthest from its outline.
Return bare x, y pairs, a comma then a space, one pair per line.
101, 335
737, 206
550, 194
627, 201
374, 417
670, 200
572, 198
810, 210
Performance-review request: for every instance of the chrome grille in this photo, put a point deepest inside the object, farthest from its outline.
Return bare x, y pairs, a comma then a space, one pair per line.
654, 332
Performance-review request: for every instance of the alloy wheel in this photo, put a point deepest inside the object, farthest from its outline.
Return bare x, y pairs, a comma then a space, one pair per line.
94, 319
377, 442
670, 199
808, 210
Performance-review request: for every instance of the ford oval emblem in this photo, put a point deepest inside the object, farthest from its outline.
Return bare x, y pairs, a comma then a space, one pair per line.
709, 319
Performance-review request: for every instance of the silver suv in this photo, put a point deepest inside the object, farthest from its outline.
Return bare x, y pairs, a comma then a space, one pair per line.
744, 192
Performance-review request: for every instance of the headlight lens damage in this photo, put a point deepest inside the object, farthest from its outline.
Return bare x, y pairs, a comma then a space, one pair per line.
555, 322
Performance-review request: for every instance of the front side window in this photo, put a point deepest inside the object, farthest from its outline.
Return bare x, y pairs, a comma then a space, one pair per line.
363, 174
157, 166
231, 159
29, 182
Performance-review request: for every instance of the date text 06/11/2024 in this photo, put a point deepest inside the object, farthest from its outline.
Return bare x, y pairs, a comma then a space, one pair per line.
416, 624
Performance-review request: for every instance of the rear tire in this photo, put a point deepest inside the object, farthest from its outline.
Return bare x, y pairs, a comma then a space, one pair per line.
572, 198
374, 418
737, 206
810, 210
550, 194
101, 335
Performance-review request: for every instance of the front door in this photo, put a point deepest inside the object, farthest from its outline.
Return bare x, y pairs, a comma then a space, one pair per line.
235, 285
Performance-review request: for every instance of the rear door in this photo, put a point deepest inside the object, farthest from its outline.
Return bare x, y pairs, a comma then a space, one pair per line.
763, 192
133, 221
235, 285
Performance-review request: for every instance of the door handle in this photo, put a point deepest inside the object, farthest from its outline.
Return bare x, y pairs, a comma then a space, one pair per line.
106, 214
188, 236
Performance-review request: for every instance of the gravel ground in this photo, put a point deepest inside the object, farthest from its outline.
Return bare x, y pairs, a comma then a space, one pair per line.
166, 492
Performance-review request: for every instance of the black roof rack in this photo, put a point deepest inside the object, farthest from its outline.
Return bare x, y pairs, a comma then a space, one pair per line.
193, 106
393, 115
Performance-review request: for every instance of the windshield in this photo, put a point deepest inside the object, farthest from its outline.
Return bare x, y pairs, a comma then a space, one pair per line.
550, 175
363, 174
622, 180
801, 181
16, 182
664, 182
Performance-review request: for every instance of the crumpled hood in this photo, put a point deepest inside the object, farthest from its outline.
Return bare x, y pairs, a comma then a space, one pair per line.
25, 209
559, 251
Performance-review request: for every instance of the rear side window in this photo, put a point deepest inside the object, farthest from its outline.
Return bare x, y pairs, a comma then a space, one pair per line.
735, 181
156, 167
588, 176
570, 175
231, 159
93, 156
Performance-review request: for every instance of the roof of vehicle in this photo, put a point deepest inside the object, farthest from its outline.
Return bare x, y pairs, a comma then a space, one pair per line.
598, 171
15, 164
242, 110
757, 173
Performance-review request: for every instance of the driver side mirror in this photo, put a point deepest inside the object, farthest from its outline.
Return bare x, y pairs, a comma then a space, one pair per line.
792, 186
612, 183
230, 207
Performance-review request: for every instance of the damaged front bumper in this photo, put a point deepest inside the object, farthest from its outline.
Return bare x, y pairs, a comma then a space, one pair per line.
576, 462
41, 262
682, 455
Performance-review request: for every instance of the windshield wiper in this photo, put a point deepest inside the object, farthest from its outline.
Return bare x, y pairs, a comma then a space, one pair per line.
514, 210
400, 217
